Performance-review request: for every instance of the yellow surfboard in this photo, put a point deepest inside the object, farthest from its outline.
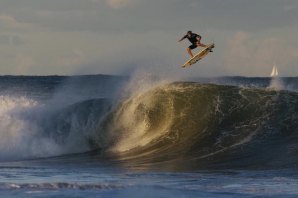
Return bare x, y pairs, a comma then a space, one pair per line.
199, 56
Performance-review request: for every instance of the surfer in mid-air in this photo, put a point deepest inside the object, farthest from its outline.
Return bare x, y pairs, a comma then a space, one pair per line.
195, 40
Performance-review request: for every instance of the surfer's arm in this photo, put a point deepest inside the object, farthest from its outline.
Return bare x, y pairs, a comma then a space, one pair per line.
184, 37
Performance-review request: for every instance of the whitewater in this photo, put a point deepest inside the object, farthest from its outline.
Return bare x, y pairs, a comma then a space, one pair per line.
118, 136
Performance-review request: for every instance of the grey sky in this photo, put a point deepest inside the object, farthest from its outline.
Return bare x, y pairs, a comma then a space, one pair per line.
44, 37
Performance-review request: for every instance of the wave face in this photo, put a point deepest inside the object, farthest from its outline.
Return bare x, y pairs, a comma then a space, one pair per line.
205, 125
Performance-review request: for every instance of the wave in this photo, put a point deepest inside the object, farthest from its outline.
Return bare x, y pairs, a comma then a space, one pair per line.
206, 125
185, 125
43, 116
31, 129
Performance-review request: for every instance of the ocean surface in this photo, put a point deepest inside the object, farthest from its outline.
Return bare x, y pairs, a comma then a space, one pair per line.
113, 136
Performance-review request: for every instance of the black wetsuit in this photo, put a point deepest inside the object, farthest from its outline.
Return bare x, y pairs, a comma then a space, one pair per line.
193, 39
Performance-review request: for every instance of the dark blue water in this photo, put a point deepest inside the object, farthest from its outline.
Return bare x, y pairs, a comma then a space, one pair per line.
112, 136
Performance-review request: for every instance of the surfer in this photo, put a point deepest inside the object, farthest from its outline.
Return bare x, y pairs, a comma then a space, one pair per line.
195, 40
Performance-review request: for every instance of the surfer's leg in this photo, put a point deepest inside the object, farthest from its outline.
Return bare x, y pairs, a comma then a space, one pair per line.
191, 47
189, 52
203, 45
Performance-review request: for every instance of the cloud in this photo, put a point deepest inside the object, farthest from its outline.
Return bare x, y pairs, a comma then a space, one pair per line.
11, 40
75, 57
290, 7
116, 4
9, 22
248, 55
139, 31
24, 63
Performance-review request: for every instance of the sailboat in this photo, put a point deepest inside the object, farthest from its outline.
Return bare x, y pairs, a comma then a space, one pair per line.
274, 72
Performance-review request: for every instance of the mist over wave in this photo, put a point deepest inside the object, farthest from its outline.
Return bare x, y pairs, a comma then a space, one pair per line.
50, 116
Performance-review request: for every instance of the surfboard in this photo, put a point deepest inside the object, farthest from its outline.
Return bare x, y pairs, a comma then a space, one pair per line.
199, 56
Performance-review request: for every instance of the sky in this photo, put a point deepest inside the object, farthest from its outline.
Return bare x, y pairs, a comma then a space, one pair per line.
74, 37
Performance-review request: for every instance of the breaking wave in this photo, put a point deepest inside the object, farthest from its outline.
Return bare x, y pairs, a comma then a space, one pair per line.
179, 125
207, 125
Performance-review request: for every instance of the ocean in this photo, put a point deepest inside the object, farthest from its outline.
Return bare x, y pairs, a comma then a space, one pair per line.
117, 136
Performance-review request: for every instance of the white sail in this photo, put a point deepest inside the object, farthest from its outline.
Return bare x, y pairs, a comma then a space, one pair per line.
274, 72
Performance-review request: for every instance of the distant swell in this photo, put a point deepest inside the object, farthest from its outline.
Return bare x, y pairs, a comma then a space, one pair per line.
204, 125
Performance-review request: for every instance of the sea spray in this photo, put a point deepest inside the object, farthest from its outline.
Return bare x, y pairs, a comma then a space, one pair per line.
276, 83
19, 134
31, 129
